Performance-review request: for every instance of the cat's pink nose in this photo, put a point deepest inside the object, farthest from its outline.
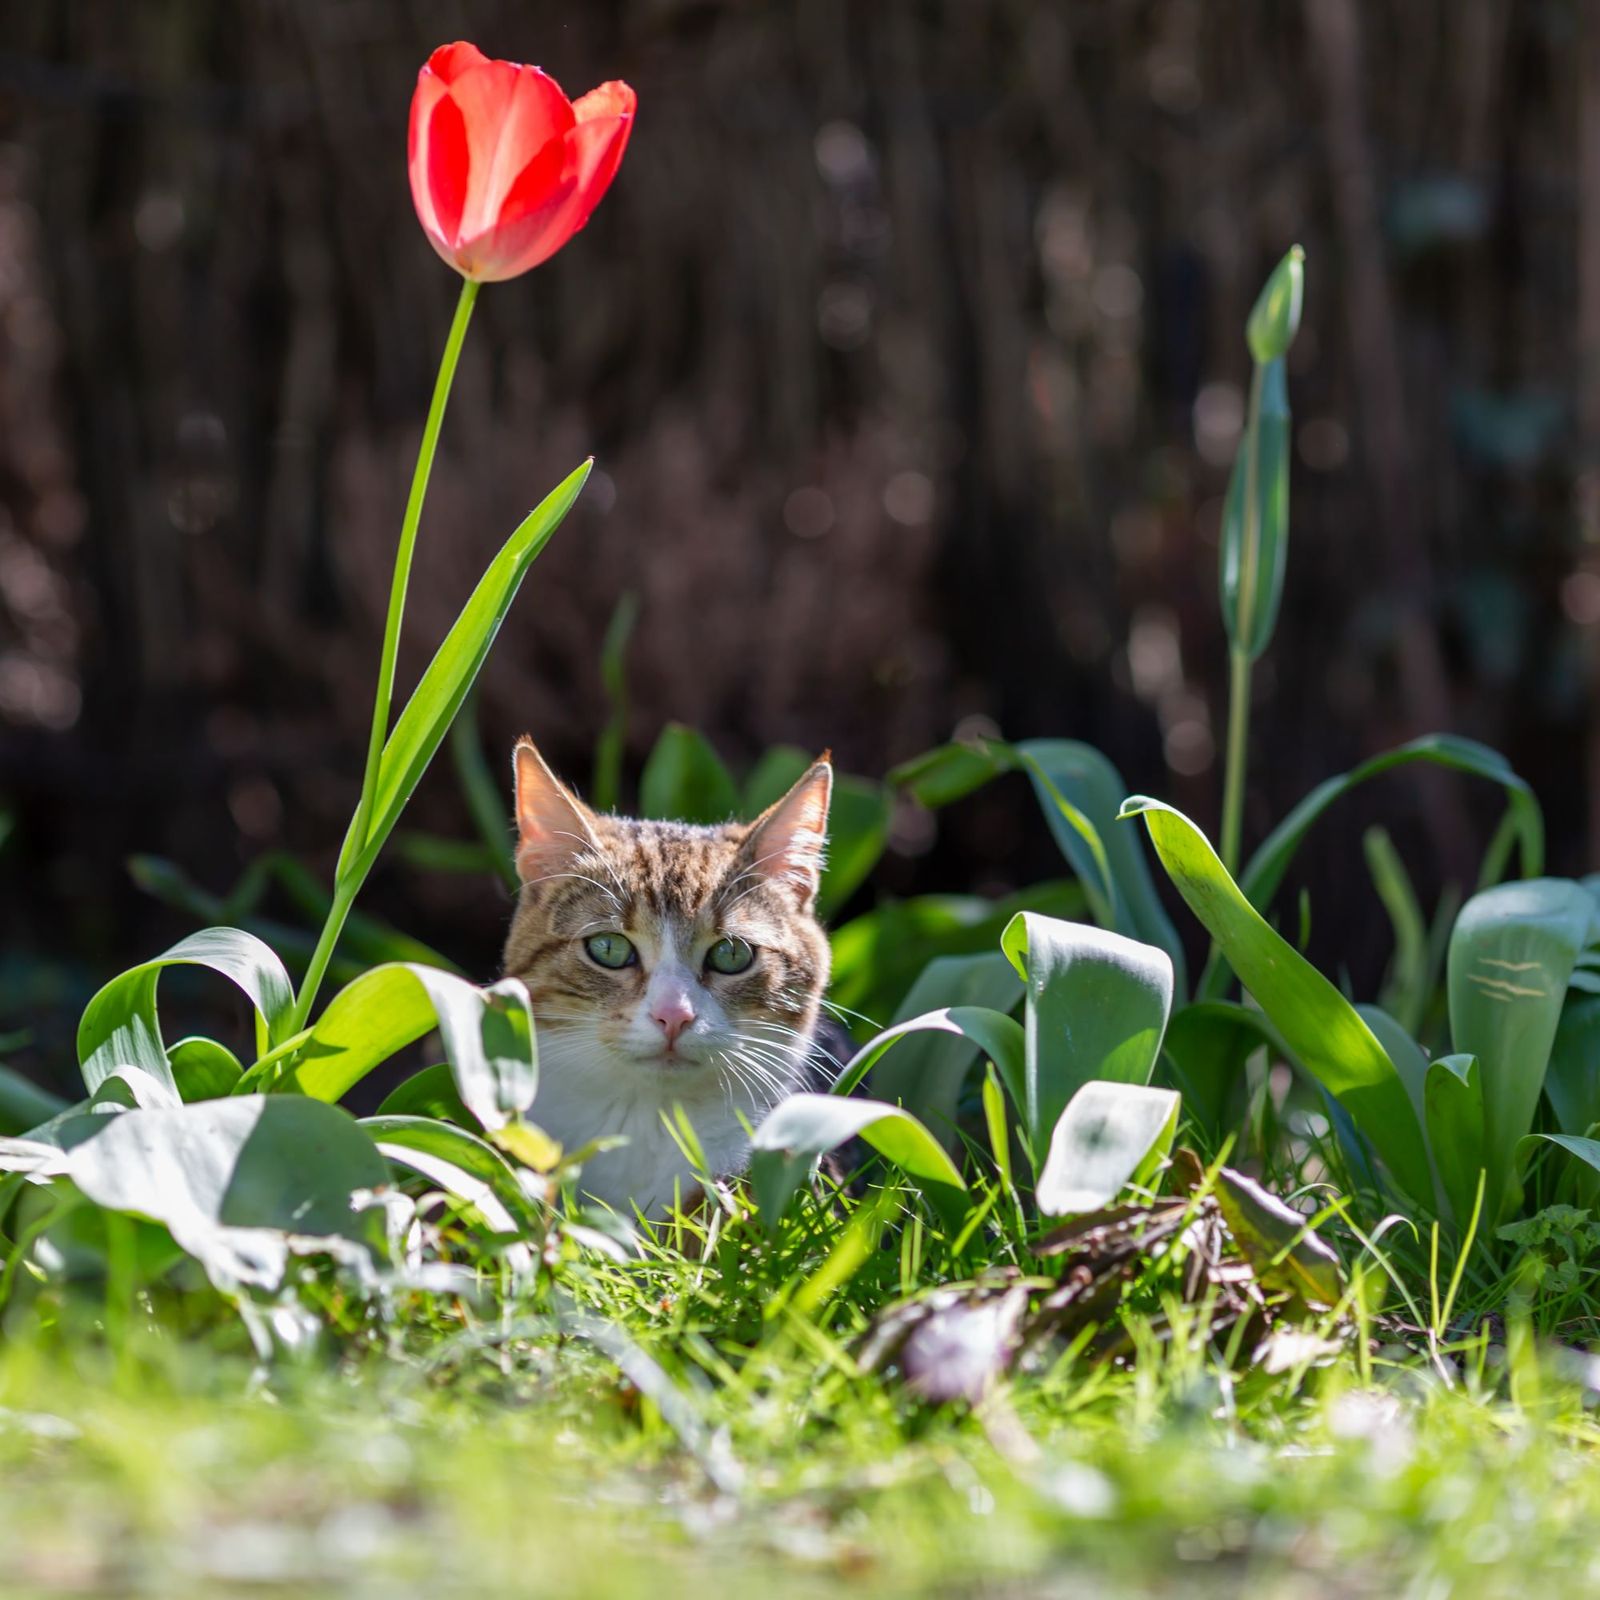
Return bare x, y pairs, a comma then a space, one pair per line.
673, 1013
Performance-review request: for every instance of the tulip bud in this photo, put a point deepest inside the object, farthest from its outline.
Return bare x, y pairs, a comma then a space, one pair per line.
1275, 319
1255, 517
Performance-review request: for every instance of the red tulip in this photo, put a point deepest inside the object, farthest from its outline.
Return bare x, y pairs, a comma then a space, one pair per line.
504, 168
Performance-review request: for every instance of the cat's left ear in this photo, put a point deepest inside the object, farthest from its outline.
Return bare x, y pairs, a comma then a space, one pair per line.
788, 840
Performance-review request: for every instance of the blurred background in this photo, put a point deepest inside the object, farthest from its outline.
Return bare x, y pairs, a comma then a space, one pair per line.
909, 341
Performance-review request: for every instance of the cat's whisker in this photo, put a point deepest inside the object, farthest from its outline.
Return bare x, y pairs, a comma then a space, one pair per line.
586, 845
582, 877
749, 871
770, 1069
809, 1047
841, 1012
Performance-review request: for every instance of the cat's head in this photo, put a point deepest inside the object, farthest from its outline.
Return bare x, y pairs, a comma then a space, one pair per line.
667, 948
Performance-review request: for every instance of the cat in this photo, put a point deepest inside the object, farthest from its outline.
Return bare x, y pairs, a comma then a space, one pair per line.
668, 965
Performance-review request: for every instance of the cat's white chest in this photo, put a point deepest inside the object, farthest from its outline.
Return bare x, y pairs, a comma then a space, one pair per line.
590, 1096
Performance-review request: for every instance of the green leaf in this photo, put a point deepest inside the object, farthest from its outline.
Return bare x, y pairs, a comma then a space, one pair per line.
488, 1039
120, 1027
1080, 793
24, 1105
1572, 1080
1318, 1024
609, 747
1206, 1047
858, 830
484, 791
233, 1179
950, 772
130, 1089
1406, 990
1586, 1151
432, 1093
1097, 1007
1408, 1057
1275, 317
438, 695
799, 1130
202, 1069
1279, 1243
32, 1157
933, 1096
1108, 1136
925, 1075
1267, 866
879, 955
1081, 775
1512, 952
458, 1162
685, 780
1453, 1100
1255, 516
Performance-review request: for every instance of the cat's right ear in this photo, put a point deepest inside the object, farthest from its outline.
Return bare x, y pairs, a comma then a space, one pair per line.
552, 823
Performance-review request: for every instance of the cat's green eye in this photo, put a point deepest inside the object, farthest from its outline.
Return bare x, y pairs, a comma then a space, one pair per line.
611, 950
729, 955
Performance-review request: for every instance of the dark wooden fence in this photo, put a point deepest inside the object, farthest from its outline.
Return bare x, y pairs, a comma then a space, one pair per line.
909, 343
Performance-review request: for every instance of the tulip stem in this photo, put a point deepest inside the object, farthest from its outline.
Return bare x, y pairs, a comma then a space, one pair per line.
355, 859
1238, 743
1240, 656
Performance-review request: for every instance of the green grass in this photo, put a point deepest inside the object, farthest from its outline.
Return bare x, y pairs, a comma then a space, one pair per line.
520, 1465
697, 1420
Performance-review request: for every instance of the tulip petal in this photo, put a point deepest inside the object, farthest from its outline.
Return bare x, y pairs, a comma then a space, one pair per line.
449, 61
511, 113
429, 166
613, 99
447, 166
551, 199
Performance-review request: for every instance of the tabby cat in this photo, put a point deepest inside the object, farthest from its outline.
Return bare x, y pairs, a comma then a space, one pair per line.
669, 965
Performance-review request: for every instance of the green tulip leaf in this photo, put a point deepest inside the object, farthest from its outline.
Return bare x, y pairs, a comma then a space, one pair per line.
120, 1027
1096, 1007
926, 1072
488, 1039
1278, 1242
463, 1165
1511, 954
801, 1129
1266, 868
684, 780
1453, 1105
444, 685
1108, 1136
202, 1069
1572, 1080
238, 1181
1323, 1030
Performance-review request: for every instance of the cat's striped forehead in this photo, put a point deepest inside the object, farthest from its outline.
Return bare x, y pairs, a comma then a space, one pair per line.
670, 872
